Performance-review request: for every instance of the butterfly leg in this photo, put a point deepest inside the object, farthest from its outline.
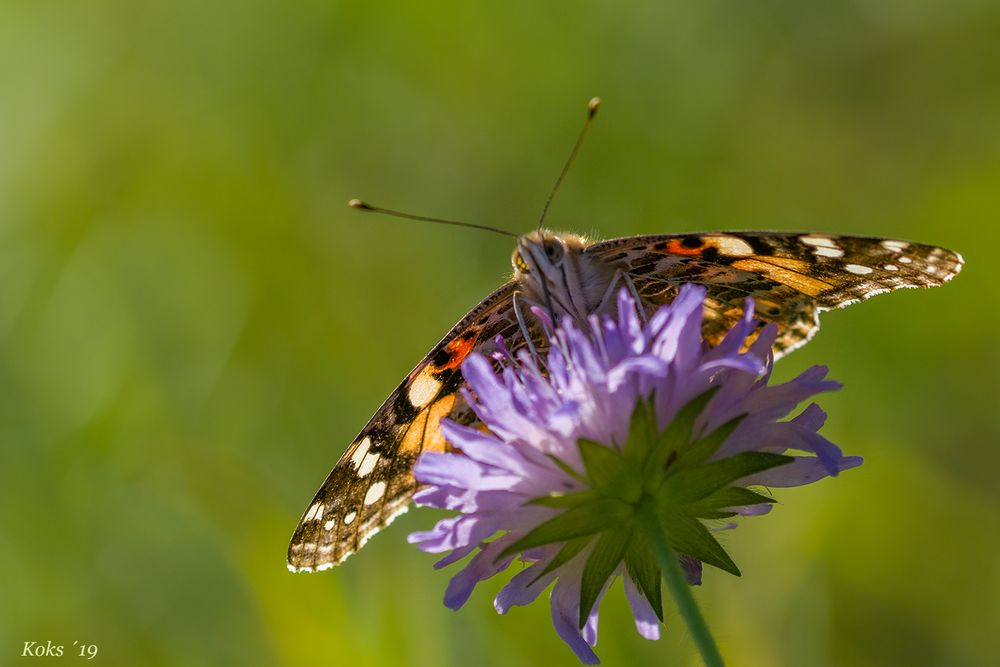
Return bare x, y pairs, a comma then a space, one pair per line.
609, 294
635, 295
524, 327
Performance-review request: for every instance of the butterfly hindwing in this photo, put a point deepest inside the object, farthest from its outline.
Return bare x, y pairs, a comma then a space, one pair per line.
792, 277
373, 481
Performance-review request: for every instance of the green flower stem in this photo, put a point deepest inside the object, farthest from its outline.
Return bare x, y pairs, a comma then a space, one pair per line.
678, 585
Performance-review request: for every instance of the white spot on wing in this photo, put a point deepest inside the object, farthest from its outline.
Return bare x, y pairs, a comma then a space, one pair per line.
820, 241
330, 524
895, 246
905, 260
732, 246
891, 267
375, 491
315, 512
360, 452
824, 251
858, 269
368, 464
349, 518
423, 390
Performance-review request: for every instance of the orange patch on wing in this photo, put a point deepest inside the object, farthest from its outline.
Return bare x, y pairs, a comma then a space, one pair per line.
458, 350
674, 247
785, 276
424, 434
730, 246
788, 263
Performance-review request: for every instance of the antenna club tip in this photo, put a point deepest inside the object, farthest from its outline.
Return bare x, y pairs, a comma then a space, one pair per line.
593, 105
357, 203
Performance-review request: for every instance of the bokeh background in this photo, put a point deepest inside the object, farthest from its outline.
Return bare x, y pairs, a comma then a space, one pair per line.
193, 325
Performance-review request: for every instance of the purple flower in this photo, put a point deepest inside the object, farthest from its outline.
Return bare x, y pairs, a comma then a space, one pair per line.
627, 418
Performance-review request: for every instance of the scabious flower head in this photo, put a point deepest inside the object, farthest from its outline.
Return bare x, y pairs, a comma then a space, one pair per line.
627, 418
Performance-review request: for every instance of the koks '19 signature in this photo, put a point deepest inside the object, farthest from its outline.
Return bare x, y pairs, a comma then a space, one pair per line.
51, 650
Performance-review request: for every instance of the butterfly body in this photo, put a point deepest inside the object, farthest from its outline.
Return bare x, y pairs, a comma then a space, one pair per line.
792, 277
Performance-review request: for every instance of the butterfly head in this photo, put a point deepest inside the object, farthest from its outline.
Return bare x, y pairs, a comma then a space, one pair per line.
554, 271
543, 252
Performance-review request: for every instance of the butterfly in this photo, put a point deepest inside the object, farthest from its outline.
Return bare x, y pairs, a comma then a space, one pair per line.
792, 278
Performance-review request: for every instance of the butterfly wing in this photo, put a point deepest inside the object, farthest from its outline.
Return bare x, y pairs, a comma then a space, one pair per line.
792, 277
373, 481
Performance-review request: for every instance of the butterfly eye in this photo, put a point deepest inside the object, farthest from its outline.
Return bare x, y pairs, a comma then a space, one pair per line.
554, 251
519, 264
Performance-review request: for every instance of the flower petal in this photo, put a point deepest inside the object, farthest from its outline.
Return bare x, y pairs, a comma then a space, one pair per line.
526, 585
649, 366
646, 622
565, 601
494, 403
483, 447
675, 332
803, 470
778, 400
752, 510
482, 566
692, 569
455, 556
455, 532
445, 469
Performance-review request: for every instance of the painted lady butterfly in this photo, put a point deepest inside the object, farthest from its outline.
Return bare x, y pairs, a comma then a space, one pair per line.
792, 277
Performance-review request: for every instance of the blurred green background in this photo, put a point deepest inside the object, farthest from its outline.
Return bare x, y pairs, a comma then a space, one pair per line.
193, 325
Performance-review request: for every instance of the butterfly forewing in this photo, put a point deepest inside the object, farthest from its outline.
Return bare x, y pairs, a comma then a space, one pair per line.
373, 481
792, 277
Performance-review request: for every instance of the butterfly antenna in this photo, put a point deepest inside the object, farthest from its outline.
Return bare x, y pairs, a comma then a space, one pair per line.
357, 203
592, 107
